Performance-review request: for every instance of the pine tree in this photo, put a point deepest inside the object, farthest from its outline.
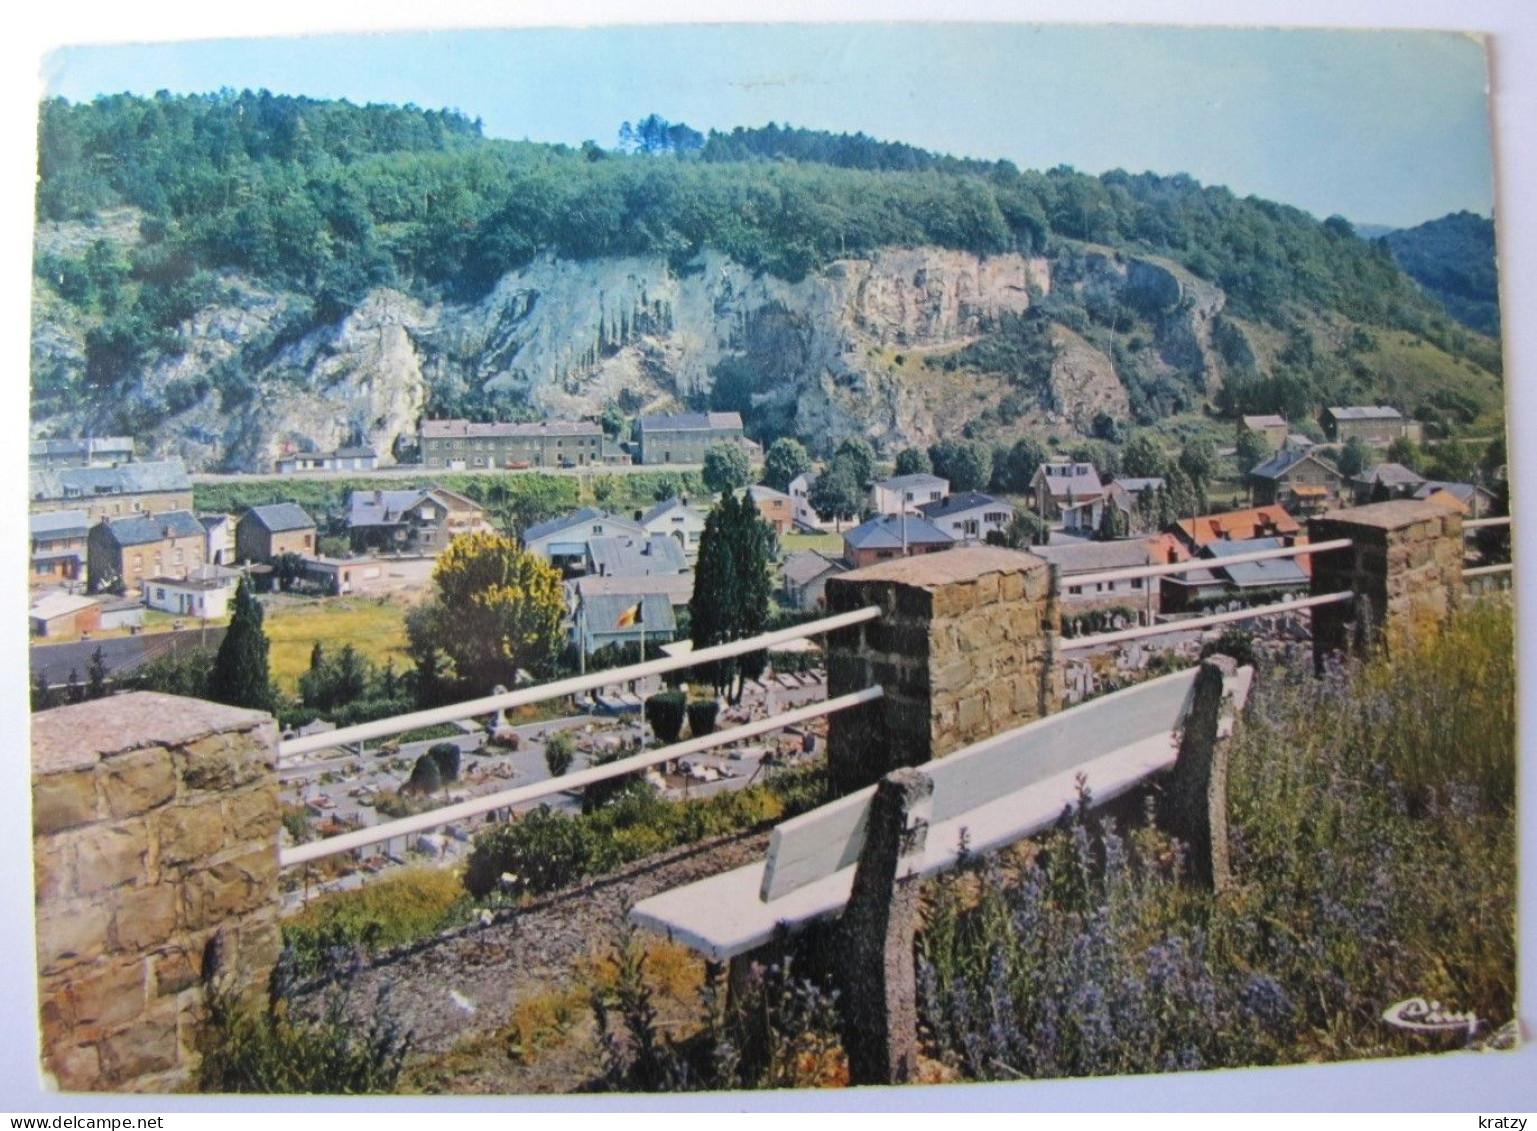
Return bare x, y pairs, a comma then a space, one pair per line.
732, 589
240, 674
42, 694
96, 676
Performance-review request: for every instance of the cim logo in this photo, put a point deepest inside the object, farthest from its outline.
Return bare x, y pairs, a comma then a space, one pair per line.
1421, 1016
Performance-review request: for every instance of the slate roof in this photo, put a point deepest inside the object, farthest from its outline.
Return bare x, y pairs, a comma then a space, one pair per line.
691, 422
960, 504
624, 556
1253, 575
1080, 480
127, 479
885, 532
1462, 492
601, 612
59, 524
674, 503
469, 429
677, 587
1091, 557
1259, 422
806, 566
916, 479
1393, 474
1366, 412
279, 517
142, 529
380, 508
580, 518
1283, 461
356, 453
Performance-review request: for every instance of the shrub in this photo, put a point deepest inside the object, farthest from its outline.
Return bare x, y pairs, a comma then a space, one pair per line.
665, 713
446, 755
559, 753
271, 1051
385, 912
701, 716
426, 778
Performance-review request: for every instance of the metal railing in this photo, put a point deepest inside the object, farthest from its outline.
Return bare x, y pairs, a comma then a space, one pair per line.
1131, 573
1068, 644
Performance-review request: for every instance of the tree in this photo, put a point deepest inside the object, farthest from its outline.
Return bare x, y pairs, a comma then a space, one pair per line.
612, 421
967, 464
785, 460
96, 676
42, 693
426, 777
1406, 453
665, 711
1024, 458
732, 588
559, 753
494, 609
1253, 450
1142, 458
837, 493
1113, 524
1199, 461
241, 676
914, 461
1183, 499
861, 456
726, 468
446, 755
1354, 457
1023, 531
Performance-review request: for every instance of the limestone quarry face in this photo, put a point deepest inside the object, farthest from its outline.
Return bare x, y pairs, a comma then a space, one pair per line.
836, 353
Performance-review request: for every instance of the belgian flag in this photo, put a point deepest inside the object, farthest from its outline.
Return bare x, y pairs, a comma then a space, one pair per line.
630, 616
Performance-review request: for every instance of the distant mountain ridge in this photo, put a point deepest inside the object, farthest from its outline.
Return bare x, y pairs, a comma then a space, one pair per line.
1454, 259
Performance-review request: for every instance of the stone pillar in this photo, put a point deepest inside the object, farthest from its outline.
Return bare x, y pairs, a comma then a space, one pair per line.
876, 933
1405, 569
963, 650
1193, 806
155, 845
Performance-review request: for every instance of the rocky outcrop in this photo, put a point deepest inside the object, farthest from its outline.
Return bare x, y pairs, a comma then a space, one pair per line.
833, 354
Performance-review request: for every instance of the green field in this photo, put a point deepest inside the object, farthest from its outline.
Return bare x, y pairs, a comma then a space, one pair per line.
373, 626
828, 543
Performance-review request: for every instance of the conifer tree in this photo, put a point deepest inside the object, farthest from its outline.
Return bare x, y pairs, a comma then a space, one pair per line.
732, 589
96, 676
241, 676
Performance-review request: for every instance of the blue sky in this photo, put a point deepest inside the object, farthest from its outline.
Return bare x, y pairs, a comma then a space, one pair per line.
1382, 127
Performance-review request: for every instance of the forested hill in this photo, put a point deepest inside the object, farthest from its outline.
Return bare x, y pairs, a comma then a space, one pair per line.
156, 214
1453, 258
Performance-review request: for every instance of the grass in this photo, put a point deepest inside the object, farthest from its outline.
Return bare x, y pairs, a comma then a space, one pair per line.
375, 626
828, 542
382, 913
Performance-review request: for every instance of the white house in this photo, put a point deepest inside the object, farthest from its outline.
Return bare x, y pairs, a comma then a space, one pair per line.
906, 493
221, 538
563, 541
204, 593
678, 521
970, 516
806, 518
1062, 487
342, 459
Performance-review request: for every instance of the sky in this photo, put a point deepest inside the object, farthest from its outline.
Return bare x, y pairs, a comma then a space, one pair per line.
1383, 127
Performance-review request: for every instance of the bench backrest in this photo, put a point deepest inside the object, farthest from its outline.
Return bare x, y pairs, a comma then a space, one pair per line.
814, 845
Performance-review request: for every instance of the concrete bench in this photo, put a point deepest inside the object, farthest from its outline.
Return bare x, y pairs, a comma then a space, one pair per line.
989, 795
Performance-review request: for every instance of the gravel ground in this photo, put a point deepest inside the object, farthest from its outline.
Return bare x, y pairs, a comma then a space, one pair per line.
462, 985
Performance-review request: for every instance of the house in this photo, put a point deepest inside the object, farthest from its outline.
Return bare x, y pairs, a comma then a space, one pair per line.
774, 507
1060, 488
1376, 425
267, 532
892, 536
678, 588
806, 517
204, 593
342, 459
127, 551
622, 618
221, 538
63, 614
463, 444
1273, 428
121, 612
58, 545
1237, 526
1474, 501
1139, 596
1133, 497
904, 494
87, 451
685, 437
805, 578
419, 521
676, 519
621, 555
112, 492
563, 541
1299, 481
1384, 482
1271, 579
970, 516
337, 577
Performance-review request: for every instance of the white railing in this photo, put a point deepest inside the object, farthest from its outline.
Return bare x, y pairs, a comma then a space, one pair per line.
1480, 523
448, 814
1489, 570
575, 685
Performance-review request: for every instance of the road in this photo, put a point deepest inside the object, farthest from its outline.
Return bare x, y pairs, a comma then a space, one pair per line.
416, 471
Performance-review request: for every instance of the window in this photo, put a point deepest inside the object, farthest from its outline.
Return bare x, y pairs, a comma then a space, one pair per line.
1075, 590
1136, 583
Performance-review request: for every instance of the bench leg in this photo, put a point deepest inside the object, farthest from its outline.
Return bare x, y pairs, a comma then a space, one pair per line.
1194, 803
876, 960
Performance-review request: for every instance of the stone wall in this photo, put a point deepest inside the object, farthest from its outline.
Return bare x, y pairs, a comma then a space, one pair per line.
1405, 567
963, 649
155, 831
